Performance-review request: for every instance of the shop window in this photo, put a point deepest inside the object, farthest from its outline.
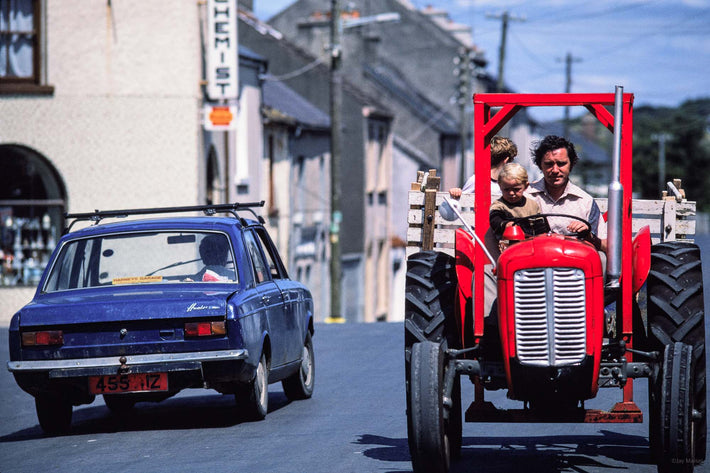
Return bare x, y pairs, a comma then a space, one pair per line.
32, 203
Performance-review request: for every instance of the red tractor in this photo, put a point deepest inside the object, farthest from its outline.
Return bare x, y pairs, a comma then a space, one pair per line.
553, 344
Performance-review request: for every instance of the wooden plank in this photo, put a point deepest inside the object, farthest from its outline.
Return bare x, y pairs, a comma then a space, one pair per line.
428, 223
416, 217
415, 249
669, 221
441, 235
417, 198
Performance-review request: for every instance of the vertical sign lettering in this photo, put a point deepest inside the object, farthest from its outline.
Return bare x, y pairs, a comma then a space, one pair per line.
222, 50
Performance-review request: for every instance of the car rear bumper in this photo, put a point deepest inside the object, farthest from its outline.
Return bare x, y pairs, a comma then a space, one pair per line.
127, 363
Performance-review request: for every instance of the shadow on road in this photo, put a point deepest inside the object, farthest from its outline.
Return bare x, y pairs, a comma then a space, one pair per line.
190, 412
554, 453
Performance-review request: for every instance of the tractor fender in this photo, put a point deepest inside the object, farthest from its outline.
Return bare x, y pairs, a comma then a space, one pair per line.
641, 257
465, 252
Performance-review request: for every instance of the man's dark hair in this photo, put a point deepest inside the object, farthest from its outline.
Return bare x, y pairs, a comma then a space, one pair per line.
214, 250
551, 143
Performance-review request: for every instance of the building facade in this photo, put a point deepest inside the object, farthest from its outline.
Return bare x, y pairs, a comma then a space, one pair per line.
297, 187
366, 149
102, 106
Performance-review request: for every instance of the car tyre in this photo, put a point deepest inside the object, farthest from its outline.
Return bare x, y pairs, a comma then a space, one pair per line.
253, 398
54, 414
300, 384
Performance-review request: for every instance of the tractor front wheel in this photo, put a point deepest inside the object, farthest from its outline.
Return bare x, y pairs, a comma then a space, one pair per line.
671, 400
428, 440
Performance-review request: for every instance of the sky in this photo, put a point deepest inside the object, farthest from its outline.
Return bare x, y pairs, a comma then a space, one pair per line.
658, 50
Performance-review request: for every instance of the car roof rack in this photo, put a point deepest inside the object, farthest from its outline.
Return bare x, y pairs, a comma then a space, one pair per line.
211, 209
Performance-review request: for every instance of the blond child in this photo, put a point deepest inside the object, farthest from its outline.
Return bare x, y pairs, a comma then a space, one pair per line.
513, 181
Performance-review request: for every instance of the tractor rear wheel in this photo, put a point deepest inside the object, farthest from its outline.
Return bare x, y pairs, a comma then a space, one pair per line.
428, 440
676, 313
430, 315
430, 300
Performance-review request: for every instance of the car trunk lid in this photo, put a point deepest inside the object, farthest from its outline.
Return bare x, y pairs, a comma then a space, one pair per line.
138, 321
94, 306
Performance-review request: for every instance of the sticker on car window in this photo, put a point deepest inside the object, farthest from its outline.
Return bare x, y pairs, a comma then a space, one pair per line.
136, 279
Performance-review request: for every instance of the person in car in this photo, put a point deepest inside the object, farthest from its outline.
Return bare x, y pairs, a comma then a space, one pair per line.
554, 193
214, 251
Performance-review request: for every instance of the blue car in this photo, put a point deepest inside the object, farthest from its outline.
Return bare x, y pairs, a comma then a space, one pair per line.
140, 309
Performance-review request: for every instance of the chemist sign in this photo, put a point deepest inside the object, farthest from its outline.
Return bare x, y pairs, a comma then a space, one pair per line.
222, 50
219, 117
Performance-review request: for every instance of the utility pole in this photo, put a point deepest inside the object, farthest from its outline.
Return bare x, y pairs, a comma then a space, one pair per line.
505, 17
466, 64
336, 102
568, 85
661, 138
463, 70
337, 25
569, 59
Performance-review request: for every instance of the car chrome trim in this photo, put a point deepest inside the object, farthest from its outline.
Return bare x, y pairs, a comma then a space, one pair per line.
130, 360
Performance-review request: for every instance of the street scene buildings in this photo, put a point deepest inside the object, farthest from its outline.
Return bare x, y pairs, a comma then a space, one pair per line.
132, 104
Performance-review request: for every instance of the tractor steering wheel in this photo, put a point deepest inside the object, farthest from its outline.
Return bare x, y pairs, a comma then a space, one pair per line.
537, 224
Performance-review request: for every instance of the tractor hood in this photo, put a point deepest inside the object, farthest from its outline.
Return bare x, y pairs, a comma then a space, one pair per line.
552, 249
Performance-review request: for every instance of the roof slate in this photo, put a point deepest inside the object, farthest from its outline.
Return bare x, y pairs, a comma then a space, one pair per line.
279, 96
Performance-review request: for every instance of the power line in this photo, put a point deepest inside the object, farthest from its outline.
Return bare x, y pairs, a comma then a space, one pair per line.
537, 60
297, 72
583, 15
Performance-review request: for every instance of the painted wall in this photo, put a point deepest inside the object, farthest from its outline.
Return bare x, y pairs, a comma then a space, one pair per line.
122, 128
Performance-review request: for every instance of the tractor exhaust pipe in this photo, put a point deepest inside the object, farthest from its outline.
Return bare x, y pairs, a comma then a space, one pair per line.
616, 202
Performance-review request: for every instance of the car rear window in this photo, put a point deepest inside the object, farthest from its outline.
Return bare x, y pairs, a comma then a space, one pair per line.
143, 258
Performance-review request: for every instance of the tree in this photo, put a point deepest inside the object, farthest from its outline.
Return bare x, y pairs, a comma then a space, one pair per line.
687, 148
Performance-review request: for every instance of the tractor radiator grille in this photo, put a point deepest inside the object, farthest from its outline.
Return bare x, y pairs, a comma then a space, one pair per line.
550, 321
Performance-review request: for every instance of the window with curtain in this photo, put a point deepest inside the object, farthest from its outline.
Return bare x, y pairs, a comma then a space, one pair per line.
21, 47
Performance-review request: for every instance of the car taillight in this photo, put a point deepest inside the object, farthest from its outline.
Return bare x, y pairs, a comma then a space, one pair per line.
43, 338
205, 329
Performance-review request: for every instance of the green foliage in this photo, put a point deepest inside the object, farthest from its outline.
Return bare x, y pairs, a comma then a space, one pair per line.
687, 149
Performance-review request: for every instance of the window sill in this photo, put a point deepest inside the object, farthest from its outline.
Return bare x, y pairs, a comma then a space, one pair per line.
25, 89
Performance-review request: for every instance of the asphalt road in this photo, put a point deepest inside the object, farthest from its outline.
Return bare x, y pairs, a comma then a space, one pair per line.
355, 422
